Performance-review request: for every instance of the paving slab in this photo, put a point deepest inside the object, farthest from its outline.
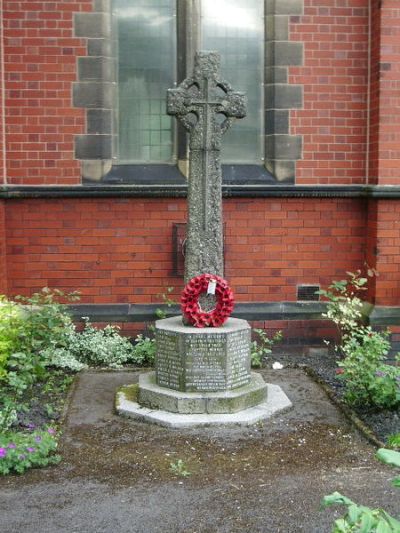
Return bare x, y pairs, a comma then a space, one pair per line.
270, 477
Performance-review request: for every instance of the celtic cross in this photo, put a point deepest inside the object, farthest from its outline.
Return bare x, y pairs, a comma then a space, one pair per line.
206, 106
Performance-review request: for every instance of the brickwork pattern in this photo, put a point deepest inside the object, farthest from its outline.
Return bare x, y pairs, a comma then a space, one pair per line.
333, 121
387, 253
385, 90
120, 250
3, 266
40, 66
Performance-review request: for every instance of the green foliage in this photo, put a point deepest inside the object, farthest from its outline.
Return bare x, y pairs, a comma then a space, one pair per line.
262, 346
94, 347
179, 468
367, 379
167, 300
28, 331
144, 351
394, 440
362, 519
20, 451
344, 305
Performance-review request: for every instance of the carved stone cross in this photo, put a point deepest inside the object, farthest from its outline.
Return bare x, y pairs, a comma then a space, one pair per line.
207, 107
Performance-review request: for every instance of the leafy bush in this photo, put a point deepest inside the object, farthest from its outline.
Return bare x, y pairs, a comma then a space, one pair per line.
94, 347
20, 451
360, 518
368, 381
144, 351
262, 346
27, 329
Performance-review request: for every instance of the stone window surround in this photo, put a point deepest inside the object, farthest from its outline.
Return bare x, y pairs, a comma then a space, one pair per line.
96, 86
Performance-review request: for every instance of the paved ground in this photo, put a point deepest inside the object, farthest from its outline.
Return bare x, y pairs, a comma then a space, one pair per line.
116, 474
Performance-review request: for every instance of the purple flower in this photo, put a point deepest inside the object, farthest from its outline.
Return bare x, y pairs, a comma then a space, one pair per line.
38, 439
380, 374
31, 426
52, 431
30, 450
11, 445
21, 457
3, 452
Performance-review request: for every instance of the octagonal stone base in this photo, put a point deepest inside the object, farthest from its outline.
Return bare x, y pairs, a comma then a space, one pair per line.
191, 359
127, 405
153, 396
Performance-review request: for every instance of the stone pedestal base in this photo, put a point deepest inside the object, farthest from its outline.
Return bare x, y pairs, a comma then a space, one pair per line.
192, 359
153, 396
127, 405
202, 378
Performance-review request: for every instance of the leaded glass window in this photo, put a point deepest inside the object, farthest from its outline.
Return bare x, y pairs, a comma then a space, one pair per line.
147, 46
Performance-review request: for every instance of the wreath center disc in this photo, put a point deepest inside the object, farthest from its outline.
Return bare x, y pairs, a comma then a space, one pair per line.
211, 285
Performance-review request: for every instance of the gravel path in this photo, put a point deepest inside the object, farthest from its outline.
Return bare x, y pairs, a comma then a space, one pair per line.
271, 477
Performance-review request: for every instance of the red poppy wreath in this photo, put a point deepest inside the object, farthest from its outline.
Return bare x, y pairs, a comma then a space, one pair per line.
210, 284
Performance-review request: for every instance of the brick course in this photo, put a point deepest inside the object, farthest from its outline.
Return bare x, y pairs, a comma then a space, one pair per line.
40, 53
333, 121
118, 251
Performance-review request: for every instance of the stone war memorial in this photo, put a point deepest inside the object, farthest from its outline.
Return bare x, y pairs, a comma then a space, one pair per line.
203, 374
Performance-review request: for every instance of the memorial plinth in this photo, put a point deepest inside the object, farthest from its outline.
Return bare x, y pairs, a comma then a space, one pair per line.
190, 359
202, 378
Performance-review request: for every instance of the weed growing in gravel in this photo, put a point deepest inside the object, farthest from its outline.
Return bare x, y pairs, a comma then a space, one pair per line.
360, 518
179, 468
262, 346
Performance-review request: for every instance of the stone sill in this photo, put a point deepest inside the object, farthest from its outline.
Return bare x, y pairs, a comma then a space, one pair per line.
249, 190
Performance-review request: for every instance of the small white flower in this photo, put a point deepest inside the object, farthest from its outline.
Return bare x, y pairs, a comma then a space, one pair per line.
277, 366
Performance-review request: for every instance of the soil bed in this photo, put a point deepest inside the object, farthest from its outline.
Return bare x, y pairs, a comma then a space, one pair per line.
382, 423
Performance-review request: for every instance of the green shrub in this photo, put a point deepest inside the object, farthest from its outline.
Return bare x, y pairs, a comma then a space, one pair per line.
144, 351
94, 347
262, 346
21, 451
367, 380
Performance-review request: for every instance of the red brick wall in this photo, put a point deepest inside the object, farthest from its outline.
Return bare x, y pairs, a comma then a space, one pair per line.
334, 76
40, 55
121, 250
3, 269
385, 91
373, 170
387, 250
2, 117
